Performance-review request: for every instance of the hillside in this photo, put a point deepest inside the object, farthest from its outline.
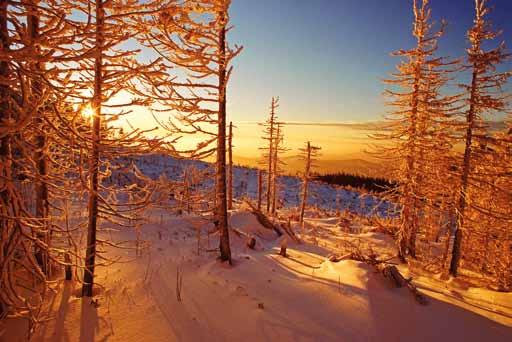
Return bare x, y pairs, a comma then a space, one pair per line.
295, 165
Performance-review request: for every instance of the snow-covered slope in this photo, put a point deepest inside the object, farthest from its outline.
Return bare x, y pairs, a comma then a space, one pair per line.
262, 297
245, 184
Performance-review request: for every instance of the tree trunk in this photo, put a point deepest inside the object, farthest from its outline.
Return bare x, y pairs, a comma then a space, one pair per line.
306, 183
5, 142
87, 288
230, 167
270, 154
68, 270
407, 234
40, 158
5, 153
275, 169
260, 188
470, 120
186, 205
411, 219
269, 180
222, 214
284, 245
304, 201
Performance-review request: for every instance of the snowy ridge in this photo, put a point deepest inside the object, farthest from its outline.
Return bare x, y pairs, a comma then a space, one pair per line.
245, 185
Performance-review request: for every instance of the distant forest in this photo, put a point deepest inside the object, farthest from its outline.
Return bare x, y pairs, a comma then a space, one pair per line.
374, 184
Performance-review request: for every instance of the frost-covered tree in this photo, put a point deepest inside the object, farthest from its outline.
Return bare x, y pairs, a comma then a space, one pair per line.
269, 137
191, 196
483, 96
415, 124
191, 35
31, 36
277, 164
103, 72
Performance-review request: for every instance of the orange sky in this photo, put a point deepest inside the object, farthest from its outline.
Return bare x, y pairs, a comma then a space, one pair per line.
340, 142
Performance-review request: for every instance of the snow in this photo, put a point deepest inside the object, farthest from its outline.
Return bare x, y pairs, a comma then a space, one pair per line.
245, 184
262, 296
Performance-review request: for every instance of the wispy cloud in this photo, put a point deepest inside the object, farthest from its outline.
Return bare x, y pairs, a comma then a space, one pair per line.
362, 125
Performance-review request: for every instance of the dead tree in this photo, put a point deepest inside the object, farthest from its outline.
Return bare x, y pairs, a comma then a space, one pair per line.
277, 164
94, 159
260, 187
225, 250
264, 220
22, 149
198, 44
388, 271
275, 167
112, 71
269, 132
230, 166
40, 153
308, 154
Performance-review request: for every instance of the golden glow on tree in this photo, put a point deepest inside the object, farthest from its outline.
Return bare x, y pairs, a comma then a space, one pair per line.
87, 112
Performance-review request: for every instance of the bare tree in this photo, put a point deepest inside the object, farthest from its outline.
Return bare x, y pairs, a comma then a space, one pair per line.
269, 132
25, 93
40, 153
197, 44
308, 154
230, 166
277, 164
260, 188
104, 72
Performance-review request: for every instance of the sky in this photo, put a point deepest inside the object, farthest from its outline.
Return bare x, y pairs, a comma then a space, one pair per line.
326, 60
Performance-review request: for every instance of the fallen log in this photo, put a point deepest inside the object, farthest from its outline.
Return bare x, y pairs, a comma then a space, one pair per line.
288, 230
335, 258
420, 298
389, 272
250, 240
263, 219
392, 273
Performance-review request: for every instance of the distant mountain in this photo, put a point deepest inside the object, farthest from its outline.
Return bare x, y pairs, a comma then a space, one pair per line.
355, 165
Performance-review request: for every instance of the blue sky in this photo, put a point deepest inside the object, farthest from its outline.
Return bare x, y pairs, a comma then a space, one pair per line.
326, 58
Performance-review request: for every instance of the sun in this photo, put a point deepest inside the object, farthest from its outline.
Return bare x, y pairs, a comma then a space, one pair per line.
87, 111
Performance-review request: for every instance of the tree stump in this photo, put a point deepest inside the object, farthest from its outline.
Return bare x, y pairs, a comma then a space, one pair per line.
251, 242
284, 244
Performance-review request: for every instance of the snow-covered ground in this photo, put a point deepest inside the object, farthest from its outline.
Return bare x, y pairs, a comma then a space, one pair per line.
262, 296
245, 184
